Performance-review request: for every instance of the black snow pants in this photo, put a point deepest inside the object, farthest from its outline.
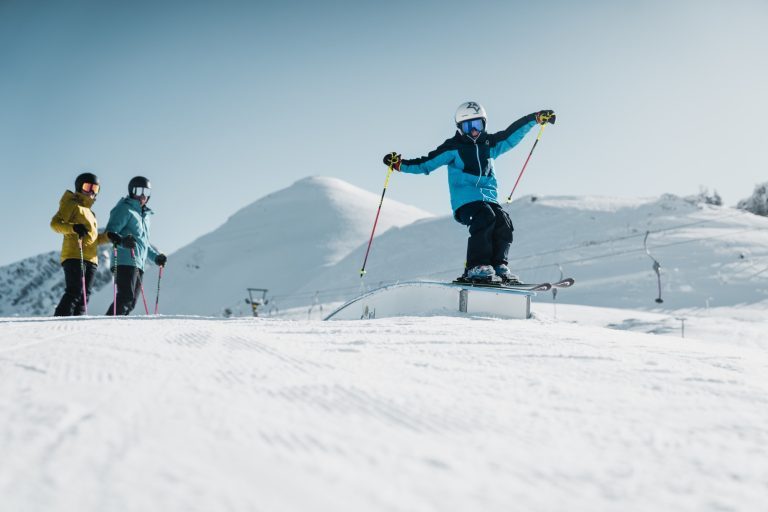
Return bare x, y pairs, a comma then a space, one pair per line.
128, 282
490, 233
71, 303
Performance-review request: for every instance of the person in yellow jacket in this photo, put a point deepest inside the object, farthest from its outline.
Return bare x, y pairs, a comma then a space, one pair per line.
77, 222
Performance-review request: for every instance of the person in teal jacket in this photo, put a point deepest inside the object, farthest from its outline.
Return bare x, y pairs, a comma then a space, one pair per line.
469, 156
128, 228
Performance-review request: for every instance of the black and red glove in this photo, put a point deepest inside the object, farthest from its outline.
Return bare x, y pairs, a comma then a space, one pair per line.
393, 160
545, 116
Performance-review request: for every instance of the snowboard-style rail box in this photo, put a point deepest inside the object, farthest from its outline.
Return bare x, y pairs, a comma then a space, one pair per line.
432, 298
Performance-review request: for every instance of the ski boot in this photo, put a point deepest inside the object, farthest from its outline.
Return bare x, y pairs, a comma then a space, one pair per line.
507, 277
482, 274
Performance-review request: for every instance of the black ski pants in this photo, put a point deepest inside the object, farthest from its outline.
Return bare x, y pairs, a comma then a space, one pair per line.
128, 281
71, 303
490, 233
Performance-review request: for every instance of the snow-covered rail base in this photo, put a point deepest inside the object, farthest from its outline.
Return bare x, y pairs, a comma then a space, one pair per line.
430, 298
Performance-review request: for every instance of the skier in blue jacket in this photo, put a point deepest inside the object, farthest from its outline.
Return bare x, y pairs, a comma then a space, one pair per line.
469, 155
128, 229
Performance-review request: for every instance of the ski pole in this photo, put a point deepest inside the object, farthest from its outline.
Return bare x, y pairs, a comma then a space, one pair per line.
114, 280
538, 137
376, 221
82, 274
157, 297
141, 284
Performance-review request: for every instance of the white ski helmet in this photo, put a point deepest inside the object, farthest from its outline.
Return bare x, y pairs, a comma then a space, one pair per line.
470, 110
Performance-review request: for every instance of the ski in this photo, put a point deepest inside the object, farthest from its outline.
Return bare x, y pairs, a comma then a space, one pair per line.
534, 287
537, 287
564, 283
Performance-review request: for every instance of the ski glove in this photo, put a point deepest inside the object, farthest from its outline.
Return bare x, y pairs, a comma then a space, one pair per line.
129, 242
160, 260
114, 238
545, 116
393, 160
80, 229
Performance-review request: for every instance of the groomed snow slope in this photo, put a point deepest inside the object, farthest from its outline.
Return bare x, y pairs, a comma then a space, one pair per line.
409, 414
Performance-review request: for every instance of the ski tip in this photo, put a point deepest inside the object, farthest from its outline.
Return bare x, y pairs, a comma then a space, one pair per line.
565, 283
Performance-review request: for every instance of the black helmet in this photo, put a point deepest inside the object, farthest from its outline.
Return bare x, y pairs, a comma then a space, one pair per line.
138, 182
86, 177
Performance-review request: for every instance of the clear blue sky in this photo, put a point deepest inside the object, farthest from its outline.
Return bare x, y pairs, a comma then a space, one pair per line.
220, 103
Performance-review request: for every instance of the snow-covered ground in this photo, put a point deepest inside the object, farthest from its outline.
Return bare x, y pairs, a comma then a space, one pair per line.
407, 414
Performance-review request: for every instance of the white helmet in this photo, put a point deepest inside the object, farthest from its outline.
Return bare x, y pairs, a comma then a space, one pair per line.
470, 116
470, 110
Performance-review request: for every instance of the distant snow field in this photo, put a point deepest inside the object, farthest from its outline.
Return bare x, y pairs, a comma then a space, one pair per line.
407, 414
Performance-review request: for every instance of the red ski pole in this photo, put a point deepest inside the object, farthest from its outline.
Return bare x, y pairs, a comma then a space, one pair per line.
376, 221
538, 137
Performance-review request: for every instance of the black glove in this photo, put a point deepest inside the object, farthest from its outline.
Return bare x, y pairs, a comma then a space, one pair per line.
114, 238
80, 229
545, 116
129, 242
160, 260
393, 160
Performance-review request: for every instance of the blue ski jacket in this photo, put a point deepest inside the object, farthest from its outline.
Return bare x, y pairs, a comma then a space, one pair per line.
128, 217
470, 163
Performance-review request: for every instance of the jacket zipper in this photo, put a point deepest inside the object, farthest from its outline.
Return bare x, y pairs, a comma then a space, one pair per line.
479, 165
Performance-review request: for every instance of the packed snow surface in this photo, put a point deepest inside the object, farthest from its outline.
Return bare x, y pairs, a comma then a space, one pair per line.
407, 414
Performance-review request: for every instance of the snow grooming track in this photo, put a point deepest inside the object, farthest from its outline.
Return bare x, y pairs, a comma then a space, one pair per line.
403, 414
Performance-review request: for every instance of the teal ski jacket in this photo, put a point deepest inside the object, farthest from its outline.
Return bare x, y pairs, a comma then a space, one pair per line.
471, 174
128, 217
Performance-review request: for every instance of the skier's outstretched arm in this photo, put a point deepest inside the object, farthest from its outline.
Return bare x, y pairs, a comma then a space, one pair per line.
503, 141
443, 155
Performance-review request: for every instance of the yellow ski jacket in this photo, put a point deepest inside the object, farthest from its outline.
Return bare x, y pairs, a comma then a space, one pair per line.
74, 209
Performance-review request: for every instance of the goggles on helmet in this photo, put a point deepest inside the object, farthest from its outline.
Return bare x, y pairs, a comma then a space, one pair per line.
472, 124
141, 191
90, 188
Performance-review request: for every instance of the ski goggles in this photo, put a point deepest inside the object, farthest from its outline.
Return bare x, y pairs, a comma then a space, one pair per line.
141, 191
472, 124
90, 188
